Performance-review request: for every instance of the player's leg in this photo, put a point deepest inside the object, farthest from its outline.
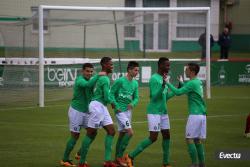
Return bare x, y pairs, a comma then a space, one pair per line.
84, 125
75, 121
121, 131
200, 150
247, 129
199, 142
86, 142
165, 131
125, 140
166, 147
191, 129
93, 124
110, 130
69, 147
154, 128
141, 147
125, 132
192, 151
119, 160
118, 143
108, 125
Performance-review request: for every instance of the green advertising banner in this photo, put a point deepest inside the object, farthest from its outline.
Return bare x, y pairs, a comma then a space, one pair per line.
230, 73
64, 75
222, 73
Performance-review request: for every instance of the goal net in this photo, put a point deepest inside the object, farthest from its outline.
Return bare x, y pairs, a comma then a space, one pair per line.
18, 64
43, 55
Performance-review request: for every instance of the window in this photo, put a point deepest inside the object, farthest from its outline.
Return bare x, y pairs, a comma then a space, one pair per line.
129, 31
191, 25
130, 3
156, 3
35, 20
193, 3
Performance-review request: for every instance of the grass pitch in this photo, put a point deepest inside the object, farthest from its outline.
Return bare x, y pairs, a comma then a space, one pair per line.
36, 137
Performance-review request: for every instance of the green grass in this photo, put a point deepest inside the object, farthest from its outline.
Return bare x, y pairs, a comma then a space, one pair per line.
36, 137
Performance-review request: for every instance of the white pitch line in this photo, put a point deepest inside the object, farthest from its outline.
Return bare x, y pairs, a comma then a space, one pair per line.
24, 108
181, 99
181, 119
136, 122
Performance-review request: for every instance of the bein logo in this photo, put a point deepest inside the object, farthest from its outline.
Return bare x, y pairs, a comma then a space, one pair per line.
223, 155
62, 76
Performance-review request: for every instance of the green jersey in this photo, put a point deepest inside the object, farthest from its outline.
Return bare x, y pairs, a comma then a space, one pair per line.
194, 91
124, 92
83, 91
102, 90
158, 95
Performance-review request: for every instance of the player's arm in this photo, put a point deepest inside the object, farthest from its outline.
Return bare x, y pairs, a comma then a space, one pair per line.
135, 97
90, 83
113, 93
156, 89
183, 90
181, 81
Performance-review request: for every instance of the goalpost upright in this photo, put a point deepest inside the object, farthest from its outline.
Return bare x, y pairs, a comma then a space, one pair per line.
41, 58
118, 9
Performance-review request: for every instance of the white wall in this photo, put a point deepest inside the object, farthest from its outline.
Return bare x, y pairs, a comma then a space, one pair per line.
74, 37
23, 7
61, 37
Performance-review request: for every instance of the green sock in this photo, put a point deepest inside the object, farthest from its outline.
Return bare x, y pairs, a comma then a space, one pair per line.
69, 147
118, 145
124, 144
166, 148
85, 147
92, 139
144, 144
201, 152
108, 147
192, 153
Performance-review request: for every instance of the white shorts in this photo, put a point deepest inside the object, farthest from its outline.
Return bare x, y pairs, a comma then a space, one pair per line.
196, 127
157, 122
77, 120
123, 120
99, 115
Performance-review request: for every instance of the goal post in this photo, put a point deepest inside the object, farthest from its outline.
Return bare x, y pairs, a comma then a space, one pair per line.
41, 58
113, 10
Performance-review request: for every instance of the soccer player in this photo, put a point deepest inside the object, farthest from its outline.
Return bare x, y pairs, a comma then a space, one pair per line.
196, 123
124, 97
78, 110
158, 120
99, 116
247, 129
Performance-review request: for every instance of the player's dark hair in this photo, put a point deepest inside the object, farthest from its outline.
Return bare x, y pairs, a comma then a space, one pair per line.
194, 67
132, 64
87, 65
105, 60
162, 60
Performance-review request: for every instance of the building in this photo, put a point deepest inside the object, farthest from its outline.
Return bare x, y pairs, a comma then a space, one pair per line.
178, 32
236, 14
